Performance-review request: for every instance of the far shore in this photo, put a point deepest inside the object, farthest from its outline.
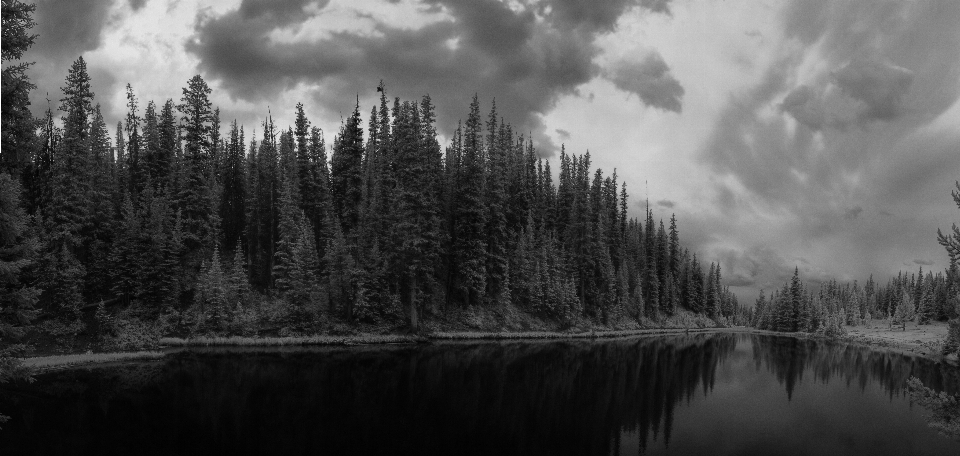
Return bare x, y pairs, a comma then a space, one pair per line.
917, 341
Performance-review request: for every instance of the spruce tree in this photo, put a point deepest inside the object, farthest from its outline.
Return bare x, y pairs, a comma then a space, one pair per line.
469, 249
496, 199
162, 162
18, 125
196, 197
18, 254
67, 215
136, 164
234, 189
263, 218
288, 238
346, 175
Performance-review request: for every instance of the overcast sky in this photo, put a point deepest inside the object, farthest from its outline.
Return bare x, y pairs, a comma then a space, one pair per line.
811, 133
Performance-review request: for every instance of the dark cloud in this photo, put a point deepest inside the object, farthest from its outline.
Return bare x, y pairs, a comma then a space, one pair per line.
526, 58
923, 262
68, 29
858, 92
137, 5
803, 105
594, 15
657, 6
853, 213
651, 80
666, 203
563, 134
879, 85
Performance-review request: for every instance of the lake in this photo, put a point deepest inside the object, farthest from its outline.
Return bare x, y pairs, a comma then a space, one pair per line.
699, 394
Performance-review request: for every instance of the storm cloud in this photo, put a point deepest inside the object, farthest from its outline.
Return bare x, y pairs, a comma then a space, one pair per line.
863, 140
524, 55
650, 79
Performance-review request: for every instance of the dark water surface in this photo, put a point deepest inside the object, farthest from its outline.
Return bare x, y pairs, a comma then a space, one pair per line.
705, 394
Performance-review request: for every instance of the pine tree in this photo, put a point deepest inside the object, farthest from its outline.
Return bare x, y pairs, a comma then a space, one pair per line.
196, 197
99, 230
124, 258
760, 312
263, 217
18, 253
234, 189
67, 215
796, 300
346, 175
288, 237
136, 164
926, 309
312, 177
341, 273
162, 163
469, 249
496, 199
18, 126
697, 298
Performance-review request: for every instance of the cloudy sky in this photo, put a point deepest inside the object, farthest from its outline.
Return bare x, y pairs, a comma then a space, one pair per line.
811, 133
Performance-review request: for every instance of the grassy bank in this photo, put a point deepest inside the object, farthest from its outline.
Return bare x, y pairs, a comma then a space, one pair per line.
875, 336
237, 341
535, 335
925, 340
54, 362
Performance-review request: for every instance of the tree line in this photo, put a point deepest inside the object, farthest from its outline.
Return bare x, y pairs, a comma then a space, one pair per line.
173, 212
918, 297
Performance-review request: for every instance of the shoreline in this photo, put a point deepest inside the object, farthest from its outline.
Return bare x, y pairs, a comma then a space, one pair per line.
48, 363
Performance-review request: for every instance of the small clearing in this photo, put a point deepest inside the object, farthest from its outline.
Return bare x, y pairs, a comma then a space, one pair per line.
921, 339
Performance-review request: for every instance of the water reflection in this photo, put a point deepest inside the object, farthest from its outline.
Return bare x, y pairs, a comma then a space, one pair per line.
622, 396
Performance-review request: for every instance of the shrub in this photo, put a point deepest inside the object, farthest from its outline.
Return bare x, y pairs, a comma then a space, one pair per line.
952, 344
945, 408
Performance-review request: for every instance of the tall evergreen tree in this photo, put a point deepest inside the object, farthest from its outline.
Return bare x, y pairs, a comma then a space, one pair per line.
496, 199
136, 164
67, 214
234, 189
196, 197
469, 249
346, 174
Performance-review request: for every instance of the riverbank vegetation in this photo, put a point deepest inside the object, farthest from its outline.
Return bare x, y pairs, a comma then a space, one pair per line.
919, 298
177, 223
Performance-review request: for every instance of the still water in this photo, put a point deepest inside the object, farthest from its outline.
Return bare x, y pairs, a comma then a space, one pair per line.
704, 394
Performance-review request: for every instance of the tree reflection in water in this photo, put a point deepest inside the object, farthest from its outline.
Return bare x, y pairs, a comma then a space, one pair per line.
561, 397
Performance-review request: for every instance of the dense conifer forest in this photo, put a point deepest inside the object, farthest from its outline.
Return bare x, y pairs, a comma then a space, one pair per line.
176, 220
